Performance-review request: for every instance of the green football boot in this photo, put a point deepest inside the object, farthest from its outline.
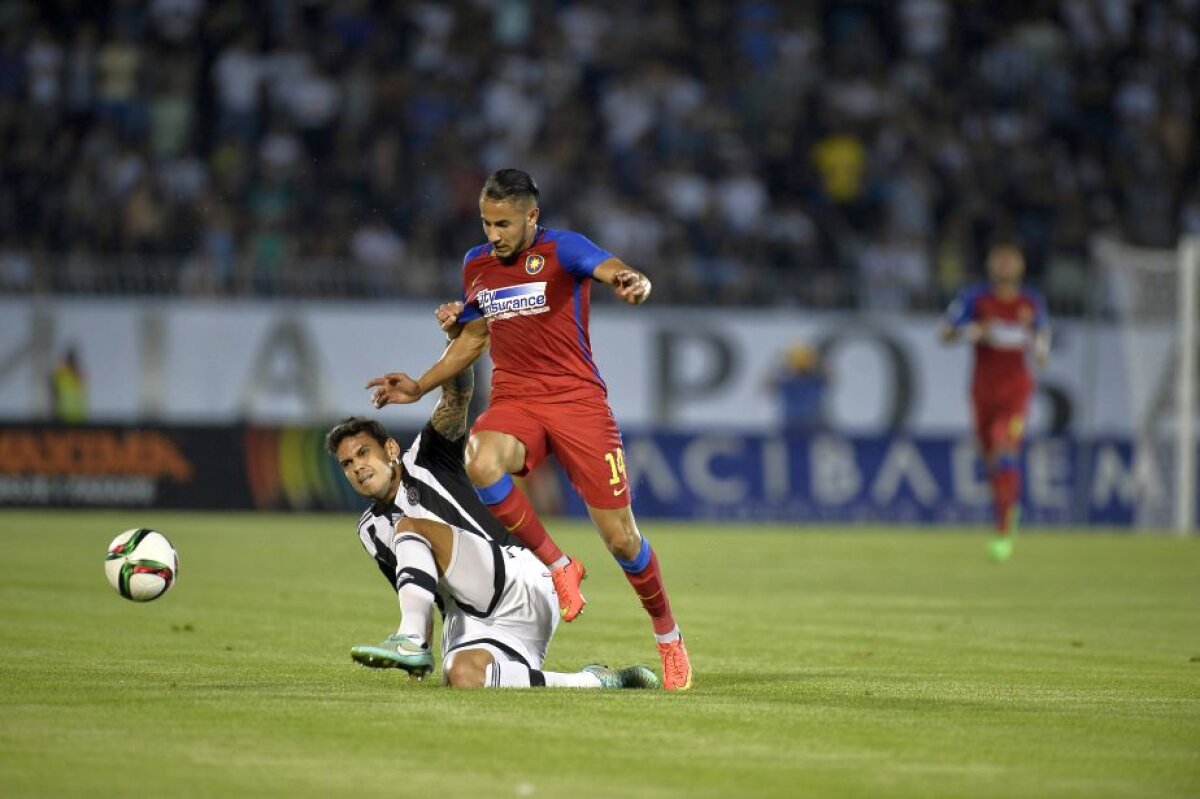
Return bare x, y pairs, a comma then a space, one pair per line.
1000, 548
396, 652
628, 677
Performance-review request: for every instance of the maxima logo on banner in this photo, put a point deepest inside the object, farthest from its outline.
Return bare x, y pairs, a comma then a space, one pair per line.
46, 465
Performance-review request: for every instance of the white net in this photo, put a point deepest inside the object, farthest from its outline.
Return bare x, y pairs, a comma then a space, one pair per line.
1143, 291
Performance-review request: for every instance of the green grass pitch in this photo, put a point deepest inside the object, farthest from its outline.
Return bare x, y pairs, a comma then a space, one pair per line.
829, 663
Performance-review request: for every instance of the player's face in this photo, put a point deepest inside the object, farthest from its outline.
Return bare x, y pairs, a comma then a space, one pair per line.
1006, 265
370, 467
509, 225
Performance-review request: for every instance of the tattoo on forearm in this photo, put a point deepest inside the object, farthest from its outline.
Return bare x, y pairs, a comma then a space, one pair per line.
450, 415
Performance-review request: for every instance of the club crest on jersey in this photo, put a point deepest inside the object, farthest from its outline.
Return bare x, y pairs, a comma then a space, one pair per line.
534, 264
525, 299
413, 496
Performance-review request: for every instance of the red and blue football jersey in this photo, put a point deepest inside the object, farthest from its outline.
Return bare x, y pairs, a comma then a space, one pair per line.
1010, 324
537, 310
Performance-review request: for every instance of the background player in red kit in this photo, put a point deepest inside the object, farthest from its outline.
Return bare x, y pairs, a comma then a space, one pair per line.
1006, 321
526, 291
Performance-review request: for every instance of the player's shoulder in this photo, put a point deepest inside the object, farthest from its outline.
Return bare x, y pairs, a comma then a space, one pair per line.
976, 290
370, 514
433, 450
965, 301
576, 252
1033, 295
560, 235
571, 241
478, 251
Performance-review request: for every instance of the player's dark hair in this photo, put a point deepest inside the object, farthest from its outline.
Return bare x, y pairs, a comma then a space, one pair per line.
352, 426
508, 184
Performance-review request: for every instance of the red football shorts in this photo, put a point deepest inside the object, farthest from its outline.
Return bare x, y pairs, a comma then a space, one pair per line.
1000, 418
582, 435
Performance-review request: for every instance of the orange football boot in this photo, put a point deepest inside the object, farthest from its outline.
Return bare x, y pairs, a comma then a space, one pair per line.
677, 669
566, 585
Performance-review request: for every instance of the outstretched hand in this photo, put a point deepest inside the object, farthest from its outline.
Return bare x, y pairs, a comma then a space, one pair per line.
632, 287
447, 315
394, 388
975, 332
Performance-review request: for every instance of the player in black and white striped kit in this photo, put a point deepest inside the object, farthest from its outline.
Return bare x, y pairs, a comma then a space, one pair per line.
436, 544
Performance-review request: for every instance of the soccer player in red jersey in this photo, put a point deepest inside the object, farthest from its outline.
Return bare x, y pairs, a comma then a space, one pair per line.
1006, 322
526, 292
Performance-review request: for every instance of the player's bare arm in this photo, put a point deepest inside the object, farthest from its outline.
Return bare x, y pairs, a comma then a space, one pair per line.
972, 333
450, 414
1041, 347
630, 285
398, 388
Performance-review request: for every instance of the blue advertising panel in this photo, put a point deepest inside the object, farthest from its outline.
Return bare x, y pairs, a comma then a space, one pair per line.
842, 479
679, 475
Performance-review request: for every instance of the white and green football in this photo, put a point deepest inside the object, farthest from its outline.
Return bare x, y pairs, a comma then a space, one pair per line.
141, 564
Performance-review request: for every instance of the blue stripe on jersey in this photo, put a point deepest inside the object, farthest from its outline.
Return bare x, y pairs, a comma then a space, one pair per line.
475, 252
1040, 318
577, 254
470, 312
579, 334
962, 309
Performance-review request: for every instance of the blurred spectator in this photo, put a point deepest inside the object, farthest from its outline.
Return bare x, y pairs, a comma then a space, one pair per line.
68, 389
824, 154
120, 93
892, 271
238, 76
43, 70
377, 247
801, 382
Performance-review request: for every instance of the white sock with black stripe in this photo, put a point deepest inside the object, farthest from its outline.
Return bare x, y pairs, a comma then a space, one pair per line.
416, 578
510, 674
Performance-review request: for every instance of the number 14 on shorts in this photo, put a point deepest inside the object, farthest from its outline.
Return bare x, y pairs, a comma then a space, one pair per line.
616, 463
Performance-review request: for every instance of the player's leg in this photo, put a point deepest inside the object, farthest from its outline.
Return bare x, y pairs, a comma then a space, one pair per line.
984, 412
467, 668
588, 446
506, 441
1007, 431
1000, 426
492, 458
639, 563
1006, 472
422, 549
480, 668
505, 647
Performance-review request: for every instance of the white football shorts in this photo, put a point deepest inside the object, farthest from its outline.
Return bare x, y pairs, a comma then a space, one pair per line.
519, 611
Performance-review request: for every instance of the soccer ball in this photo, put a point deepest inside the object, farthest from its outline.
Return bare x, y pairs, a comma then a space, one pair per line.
141, 564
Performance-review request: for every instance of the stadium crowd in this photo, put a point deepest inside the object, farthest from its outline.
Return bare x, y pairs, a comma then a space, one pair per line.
829, 154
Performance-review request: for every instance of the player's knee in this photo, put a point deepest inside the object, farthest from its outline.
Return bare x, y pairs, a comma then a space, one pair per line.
483, 464
465, 674
483, 472
406, 524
